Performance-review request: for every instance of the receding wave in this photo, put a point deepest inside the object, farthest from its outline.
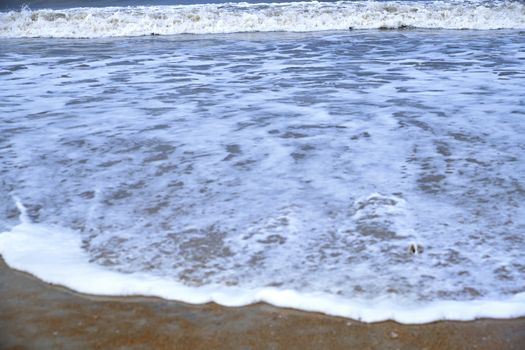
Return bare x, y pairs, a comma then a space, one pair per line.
244, 17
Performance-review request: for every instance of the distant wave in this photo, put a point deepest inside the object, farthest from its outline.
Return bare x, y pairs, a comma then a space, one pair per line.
244, 17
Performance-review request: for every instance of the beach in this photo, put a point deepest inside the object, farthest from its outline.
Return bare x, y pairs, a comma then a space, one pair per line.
248, 169
36, 315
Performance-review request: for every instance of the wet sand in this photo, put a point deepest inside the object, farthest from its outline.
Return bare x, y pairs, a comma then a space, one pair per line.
36, 315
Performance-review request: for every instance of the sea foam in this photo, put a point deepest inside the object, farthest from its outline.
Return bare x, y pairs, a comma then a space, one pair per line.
55, 255
263, 17
305, 170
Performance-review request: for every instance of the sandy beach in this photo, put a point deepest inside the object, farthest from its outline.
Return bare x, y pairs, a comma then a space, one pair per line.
36, 315
218, 174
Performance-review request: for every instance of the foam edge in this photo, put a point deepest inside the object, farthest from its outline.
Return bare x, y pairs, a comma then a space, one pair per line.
55, 256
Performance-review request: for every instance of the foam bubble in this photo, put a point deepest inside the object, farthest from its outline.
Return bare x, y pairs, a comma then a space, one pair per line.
243, 17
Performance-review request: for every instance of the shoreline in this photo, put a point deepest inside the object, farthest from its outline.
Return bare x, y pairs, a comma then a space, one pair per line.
38, 315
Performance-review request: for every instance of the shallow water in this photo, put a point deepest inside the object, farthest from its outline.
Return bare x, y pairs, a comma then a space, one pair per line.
358, 165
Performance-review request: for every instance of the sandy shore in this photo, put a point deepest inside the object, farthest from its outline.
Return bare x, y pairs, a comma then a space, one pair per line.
36, 315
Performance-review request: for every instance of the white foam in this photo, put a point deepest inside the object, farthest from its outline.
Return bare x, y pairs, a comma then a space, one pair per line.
54, 254
243, 17
273, 163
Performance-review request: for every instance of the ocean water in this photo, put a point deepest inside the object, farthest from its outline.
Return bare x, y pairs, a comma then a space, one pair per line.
359, 158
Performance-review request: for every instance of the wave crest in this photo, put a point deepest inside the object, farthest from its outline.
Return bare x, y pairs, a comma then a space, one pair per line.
243, 17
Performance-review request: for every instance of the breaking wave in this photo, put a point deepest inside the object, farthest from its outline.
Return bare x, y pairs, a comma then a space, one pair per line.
270, 17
